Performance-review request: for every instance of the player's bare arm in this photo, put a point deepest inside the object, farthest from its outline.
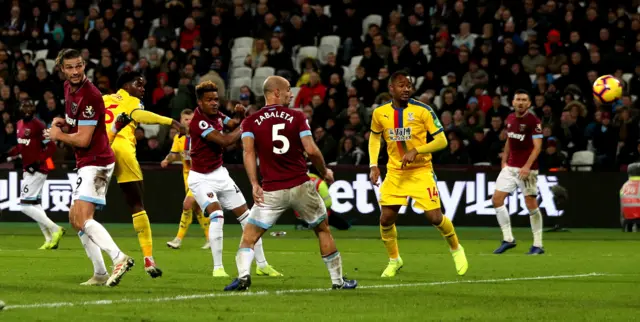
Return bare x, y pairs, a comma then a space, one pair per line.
438, 143
374, 151
249, 159
526, 169
315, 155
222, 139
80, 139
170, 158
505, 154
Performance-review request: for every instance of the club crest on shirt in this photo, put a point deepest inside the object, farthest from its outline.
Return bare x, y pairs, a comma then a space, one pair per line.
89, 112
410, 116
210, 194
74, 108
27, 132
523, 127
539, 128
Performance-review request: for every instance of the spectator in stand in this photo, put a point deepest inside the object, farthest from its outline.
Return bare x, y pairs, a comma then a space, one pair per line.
350, 153
455, 154
605, 141
533, 59
478, 147
309, 90
551, 158
258, 56
465, 37
279, 59
325, 143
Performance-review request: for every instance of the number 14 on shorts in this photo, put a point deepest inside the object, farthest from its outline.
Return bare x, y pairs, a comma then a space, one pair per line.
433, 192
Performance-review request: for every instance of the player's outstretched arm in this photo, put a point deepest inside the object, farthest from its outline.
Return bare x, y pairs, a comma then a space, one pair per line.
146, 117
80, 139
315, 155
222, 139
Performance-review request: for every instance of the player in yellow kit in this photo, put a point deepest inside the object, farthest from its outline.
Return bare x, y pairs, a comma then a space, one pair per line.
404, 124
181, 150
124, 111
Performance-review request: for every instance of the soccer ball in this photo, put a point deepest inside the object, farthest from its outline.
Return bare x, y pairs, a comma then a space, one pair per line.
607, 89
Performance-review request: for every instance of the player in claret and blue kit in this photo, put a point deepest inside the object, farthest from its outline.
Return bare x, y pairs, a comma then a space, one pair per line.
84, 118
209, 181
279, 137
35, 149
520, 170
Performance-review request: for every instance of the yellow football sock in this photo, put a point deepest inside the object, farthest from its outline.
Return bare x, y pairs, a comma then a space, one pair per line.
204, 222
143, 229
185, 221
448, 232
389, 236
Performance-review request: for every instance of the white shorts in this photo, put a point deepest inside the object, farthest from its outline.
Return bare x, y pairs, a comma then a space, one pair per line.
509, 180
31, 187
216, 186
92, 184
304, 199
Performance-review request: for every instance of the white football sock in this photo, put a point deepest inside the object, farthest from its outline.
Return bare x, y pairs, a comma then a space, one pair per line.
45, 232
244, 258
94, 254
334, 265
535, 217
505, 223
37, 213
215, 237
261, 260
100, 236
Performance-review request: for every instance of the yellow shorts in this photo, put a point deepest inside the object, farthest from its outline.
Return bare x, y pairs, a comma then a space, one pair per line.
419, 184
127, 166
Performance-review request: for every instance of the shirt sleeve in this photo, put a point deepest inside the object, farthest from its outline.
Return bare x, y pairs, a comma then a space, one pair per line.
303, 125
225, 118
431, 122
537, 129
176, 147
200, 128
376, 127
247, 129
90, 111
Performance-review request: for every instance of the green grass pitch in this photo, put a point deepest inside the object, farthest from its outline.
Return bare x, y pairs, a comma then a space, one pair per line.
43, 285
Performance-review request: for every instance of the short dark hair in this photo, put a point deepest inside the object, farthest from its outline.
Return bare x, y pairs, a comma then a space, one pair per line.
67, 54
521, 91
397, 74
205, 87
126, 78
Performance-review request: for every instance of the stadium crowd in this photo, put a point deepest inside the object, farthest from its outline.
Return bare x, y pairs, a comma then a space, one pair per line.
466, 57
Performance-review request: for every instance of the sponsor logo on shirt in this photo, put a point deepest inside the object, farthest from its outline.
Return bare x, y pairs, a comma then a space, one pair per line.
24, 141
400, 134
70, 121
516, 136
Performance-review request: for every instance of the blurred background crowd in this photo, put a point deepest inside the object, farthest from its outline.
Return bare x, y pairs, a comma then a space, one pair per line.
466, 59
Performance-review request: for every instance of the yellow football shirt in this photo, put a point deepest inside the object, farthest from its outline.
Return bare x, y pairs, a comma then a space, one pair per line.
182, 146
404, 129
116, 104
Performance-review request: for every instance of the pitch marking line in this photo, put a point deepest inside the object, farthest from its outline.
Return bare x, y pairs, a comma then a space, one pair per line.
294, 291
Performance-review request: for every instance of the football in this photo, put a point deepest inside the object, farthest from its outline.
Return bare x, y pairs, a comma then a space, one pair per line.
607, 89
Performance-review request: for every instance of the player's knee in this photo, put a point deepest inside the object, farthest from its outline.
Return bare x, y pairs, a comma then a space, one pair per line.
434, 216
497, 200
531, 202
239, 211
187, 204
386, 220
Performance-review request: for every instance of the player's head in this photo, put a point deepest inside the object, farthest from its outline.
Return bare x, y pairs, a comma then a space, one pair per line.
277, 90
521, 101
207, 95
27, 108
185, 117
633, 170
400, 86
72, 65
133, 83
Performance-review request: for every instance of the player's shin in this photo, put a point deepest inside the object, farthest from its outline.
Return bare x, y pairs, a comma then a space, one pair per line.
100, 236
448, 232
330, 254
94, 254
334, 266
216, 237
142, 227
185, 221
389, 236
536, 226
244, 258
37, 213
502, 214
45, 232
261, 259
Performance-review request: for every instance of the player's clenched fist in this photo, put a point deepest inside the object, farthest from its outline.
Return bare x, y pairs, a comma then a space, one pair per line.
180, 127
239, 111
328, 176
374, 175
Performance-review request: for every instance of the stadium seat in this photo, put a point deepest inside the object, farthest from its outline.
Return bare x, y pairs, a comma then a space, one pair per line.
445, 80
240, 52
437, 101
532, 77
308, 51
346, 76
41, 54
241, 72
483, 164
418, 82
327, 10
257, 85
243, 42
355, 62
236, 84
626, 77
50, 65
94, 60
238, 61
155, 23
425, 50
324, 51
582, 161
265, 71
556, 76
27, 51
371, 20
150, 130
330, 40
90, 74
294, 93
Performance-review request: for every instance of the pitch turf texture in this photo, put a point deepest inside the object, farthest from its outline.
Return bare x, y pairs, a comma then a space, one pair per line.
585, 275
